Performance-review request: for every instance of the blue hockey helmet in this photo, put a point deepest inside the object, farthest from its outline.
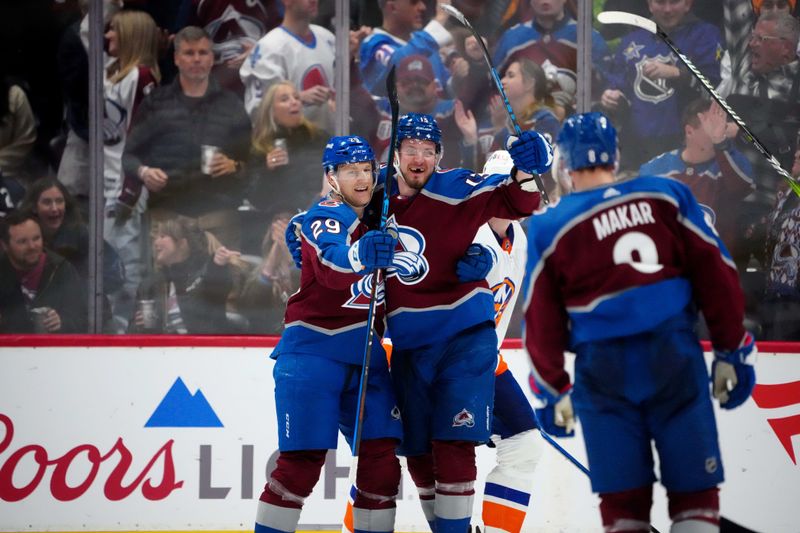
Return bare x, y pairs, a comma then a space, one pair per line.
419, 126
345, 149
587, 140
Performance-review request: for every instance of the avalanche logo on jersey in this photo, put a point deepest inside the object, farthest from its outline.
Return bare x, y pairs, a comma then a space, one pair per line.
233, 31
409, 265
312, 77
648, 89
114, 121
503, 292
360, 292
710, 216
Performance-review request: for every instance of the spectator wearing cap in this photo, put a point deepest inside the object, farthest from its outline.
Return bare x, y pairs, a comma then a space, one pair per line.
417, 92
400, 36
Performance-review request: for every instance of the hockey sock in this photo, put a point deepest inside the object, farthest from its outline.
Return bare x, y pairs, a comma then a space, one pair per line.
694, 512
289, 485
628, 510
421, 469
507, 493
455, 472
378, 480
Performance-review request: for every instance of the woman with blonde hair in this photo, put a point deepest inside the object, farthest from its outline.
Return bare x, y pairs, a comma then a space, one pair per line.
131, 73
283, 169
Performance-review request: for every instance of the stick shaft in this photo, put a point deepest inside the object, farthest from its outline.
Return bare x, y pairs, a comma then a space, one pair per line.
496, 78
378, 274
749, 135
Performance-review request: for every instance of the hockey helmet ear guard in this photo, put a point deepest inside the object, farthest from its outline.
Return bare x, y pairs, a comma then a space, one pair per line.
588, 140
419, 126
345, 149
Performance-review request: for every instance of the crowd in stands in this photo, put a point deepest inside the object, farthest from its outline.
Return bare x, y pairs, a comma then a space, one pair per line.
216, 113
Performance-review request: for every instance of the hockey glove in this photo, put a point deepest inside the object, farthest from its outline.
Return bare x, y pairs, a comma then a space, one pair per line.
530, 152
475, 264
733, 373
292, 238
375, 249
556, 417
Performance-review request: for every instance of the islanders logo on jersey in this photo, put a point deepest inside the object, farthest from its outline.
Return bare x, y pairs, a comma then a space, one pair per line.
409, 265
503, 292
361, 291
649, 89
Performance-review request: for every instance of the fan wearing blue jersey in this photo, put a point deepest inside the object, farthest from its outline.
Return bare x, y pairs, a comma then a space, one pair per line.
400, 36
318, 359
647, 83
445, 345
616, 273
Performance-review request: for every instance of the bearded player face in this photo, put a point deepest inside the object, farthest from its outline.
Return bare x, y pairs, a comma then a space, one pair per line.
417, 161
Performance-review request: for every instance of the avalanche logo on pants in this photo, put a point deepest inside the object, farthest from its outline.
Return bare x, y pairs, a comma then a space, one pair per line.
409, 264
464, 418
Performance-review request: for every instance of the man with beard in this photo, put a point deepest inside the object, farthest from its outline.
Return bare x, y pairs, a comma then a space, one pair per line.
445, 345
418, 92
40, 292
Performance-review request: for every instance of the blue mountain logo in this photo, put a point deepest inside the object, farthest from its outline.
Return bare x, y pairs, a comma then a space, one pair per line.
182, 409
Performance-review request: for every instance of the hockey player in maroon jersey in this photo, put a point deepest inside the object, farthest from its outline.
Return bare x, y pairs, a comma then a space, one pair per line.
445, 346
616, 273
319, 356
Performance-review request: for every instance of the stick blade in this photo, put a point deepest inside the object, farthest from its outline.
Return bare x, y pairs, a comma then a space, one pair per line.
623, 17
453, 12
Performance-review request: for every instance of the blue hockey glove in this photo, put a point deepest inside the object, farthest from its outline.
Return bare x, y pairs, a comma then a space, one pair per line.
475, 264
530, 152
375, 249
292, 238
556, 417
733, 374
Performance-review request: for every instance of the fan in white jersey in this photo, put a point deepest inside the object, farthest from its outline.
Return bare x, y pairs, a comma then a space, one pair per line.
297, 51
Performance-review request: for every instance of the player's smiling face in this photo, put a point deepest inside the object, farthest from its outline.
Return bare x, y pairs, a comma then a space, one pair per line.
417, 161
355, 183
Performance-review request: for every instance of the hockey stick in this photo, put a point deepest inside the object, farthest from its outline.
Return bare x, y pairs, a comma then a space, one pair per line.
348, 525
622, 17
551, 441
458, 15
